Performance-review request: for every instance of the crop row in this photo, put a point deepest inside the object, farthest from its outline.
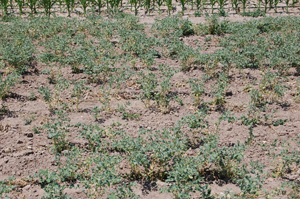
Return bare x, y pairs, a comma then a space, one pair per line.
147, 5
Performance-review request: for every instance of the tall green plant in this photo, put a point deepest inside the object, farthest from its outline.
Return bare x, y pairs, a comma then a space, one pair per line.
100, 4
84, 4
20, 5
235, 5
221, 4
136, 4
169, 5
212, 2
244, 2
147, 5
287, 5
32, 5
48, 4
198, 4
266, 4
182, 3
159, 4
69, 6
114, 4
4, 5
275, 5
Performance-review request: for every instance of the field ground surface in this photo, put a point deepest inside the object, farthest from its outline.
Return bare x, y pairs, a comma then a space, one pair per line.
191, 105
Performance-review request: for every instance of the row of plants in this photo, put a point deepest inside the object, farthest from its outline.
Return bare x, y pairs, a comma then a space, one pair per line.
115, 53
160, 155
148, 5
97, 58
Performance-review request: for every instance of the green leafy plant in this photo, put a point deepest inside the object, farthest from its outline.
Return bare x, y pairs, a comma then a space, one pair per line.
30, 119
148, 84
78, 92
271, 87
6, 186
96, 110
47, 95
198, 89
7, 83
57, 129
162, 98
49, 181
17, 52
159, 4
251, 181
255, 13
32, 96
266, 4
219, 91
106, 97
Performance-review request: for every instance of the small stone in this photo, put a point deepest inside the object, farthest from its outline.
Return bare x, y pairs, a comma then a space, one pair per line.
23, 153
27, 187
229, 93
229, 128
4, 161
20, 142
7, 150
29, 134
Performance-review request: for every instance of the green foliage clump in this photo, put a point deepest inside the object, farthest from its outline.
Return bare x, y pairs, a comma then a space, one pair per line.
6, 187
7, 83
172, 27
58, 129
212, 26
198, 89
17, 52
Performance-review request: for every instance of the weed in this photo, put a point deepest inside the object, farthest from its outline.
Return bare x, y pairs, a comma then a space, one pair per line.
78, 92
32, 96
148, 84
219, 91
198, 89
57, 130
47, 95
6, 186
7, 83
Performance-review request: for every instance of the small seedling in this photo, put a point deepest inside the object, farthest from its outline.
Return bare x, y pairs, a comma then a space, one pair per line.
32, 96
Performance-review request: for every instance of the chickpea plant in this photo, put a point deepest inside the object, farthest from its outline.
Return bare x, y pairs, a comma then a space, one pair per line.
78, 92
